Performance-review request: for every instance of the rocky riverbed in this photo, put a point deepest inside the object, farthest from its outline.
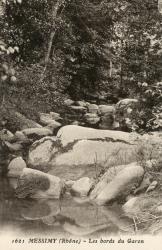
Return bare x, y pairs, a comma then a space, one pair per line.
79, 180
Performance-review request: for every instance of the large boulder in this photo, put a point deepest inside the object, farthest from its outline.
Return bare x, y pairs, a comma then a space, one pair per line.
41, 151
88, 152
70, 133
107, 177
16, 167
120, 186
78, 151
36, 184
75, 158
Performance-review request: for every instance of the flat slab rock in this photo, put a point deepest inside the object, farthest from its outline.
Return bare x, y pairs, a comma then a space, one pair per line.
70, 133
81, 147
86, 152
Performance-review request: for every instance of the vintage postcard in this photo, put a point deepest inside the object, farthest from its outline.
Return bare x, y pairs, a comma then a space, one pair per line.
81, 124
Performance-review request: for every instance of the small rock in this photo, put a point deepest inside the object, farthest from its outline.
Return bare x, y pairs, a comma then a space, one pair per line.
56, 116
93, 108
159, 209
152, 186
47, 119
16, 167
115, 125
14, 147
151, 163
6, 135
160, 116
81, 103
20, 136
82, 186
22, 139
40, 132
107, 121
144, 184
126, 103
78, 109
68, 102
91, 118
69, 183
53, 126
129, 205
106, 109
75, 123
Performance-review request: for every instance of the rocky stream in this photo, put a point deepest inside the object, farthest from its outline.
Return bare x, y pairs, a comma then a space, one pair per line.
86, 177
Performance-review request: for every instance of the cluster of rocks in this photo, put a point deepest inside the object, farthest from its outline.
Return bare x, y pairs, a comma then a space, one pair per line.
74, 161
47, 160
106, 116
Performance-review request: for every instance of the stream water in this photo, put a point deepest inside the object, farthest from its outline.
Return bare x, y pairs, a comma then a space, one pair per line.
69, 216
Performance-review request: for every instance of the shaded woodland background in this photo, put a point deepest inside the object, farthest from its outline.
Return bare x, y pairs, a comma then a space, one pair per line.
84, 50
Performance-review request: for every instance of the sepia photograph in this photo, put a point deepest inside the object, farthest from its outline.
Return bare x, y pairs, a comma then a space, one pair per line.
81, 124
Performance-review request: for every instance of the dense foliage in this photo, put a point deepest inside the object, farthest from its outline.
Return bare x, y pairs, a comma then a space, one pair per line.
86, 49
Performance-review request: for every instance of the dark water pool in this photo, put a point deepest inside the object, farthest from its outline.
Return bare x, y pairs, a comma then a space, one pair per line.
69, 216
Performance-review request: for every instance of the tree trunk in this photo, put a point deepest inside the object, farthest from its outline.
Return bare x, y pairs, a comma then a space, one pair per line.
110, 70
55, 9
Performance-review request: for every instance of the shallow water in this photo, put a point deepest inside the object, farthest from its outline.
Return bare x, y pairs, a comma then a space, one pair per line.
67, 217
